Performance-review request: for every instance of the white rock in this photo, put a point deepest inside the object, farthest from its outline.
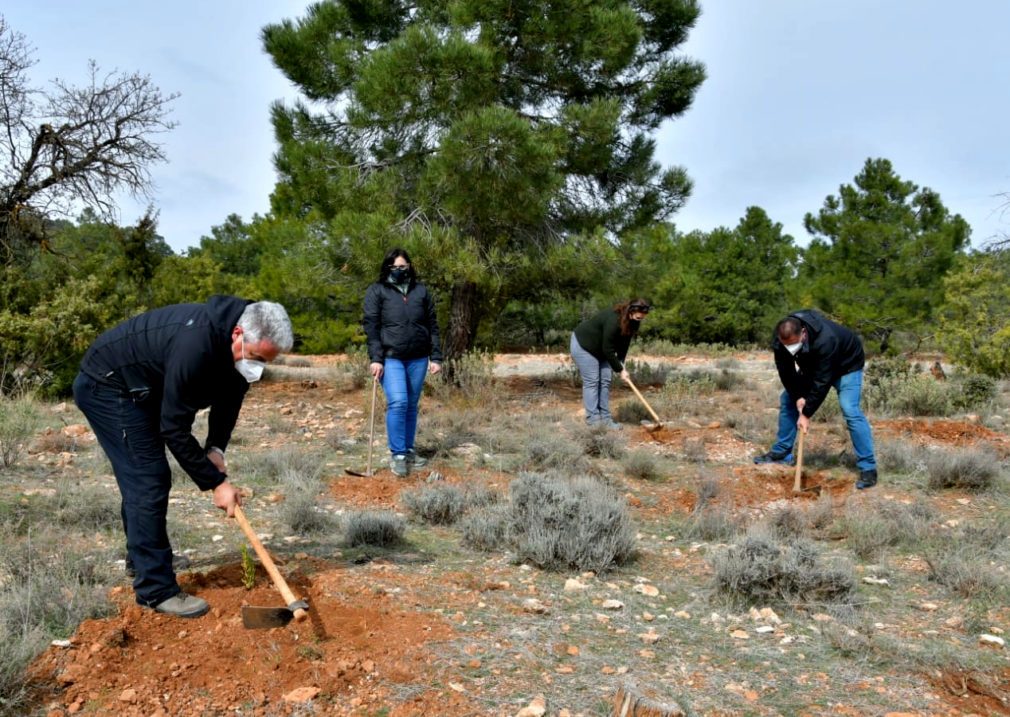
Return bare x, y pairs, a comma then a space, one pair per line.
871, 580
574, 585
612, 604
991, 641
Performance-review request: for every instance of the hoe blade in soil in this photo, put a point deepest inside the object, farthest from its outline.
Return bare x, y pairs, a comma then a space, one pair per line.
255, 618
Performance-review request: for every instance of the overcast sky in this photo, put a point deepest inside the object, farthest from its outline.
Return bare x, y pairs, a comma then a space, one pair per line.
799, 94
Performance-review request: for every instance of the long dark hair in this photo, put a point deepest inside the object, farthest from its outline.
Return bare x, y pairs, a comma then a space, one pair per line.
387, 265
624, 311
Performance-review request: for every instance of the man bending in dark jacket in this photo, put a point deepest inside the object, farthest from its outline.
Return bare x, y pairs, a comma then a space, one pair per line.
140, 386
812, 354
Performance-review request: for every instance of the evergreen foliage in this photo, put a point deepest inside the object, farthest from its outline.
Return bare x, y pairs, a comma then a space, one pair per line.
499, 143
880, 251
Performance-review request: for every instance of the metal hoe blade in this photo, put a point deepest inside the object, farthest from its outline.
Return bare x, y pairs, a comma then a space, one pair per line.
256, 618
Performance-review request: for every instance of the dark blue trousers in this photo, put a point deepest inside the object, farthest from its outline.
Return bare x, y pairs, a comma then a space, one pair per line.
128, 432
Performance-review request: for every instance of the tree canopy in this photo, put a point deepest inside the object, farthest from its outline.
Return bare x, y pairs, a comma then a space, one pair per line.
498, 141
880, 251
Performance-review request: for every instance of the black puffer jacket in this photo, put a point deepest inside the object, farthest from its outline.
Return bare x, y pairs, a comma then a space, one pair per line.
177, 360
401, 326
830, 352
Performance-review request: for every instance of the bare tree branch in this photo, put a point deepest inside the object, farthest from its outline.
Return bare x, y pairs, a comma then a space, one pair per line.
72, 145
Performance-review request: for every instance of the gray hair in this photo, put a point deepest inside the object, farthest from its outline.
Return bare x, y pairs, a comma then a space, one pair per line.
267, 320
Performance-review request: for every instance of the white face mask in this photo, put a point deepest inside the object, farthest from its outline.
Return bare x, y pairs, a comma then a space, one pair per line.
251, 370
794, 348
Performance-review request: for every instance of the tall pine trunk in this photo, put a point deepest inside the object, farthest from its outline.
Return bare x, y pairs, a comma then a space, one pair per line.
462, 321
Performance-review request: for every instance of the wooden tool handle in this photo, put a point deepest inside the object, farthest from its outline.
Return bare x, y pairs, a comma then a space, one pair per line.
642, 399
371, 428
798, 480
268, 563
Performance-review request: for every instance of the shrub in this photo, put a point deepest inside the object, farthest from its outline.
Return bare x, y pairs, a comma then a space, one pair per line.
696, 382
381, 529
600, 442
20, 418
641, 464
549, 454
973, 470
562, 524
712, 525
974, 390
47, 590
869, 532
486, 528
301, 510
470, 376
963, 561
643, 373
438, 505
727, 380
631, 411
922, 396
758, 571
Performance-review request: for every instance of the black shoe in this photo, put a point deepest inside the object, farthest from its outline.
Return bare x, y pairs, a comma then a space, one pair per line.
179, 563
867, 479
785, 459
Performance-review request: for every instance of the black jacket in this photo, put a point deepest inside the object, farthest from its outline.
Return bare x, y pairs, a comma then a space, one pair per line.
830, 352
600, 335
401, 326
177, 360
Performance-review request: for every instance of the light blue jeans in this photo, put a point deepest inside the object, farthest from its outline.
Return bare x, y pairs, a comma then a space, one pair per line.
402, 382
850, 390
596, 378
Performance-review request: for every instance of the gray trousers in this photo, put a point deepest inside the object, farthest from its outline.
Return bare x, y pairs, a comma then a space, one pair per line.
596, 377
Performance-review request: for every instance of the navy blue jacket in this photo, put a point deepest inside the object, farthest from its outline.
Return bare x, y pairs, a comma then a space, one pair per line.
401, 326
177, 360
830, 352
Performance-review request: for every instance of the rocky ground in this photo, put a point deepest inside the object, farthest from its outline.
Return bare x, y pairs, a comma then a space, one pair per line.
438, 629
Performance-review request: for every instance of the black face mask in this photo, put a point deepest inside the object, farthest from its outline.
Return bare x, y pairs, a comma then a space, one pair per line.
398, 275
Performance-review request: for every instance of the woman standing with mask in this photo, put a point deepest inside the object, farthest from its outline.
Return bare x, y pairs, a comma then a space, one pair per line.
403, 345
599, 346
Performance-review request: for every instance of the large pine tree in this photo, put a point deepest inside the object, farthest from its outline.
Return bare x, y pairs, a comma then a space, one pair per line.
498, 139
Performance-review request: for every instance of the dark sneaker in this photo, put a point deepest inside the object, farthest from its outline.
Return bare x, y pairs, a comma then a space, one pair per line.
183, 605
867, 479
398, 464
415, 461
179, 563
785, 459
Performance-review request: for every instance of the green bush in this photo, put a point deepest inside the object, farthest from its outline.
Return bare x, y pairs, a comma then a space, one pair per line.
975, 390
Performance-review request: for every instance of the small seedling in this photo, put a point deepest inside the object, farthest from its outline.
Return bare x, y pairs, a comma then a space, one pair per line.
248, 569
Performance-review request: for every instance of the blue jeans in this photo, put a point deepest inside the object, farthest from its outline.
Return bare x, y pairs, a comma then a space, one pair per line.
596, 378
129, 434
402, 382
850, 389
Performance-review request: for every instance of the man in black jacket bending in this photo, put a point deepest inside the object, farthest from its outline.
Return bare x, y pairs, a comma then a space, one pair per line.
812, 354
140, 386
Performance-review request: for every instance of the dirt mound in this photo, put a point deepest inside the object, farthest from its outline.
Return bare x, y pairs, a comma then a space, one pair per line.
144, 663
